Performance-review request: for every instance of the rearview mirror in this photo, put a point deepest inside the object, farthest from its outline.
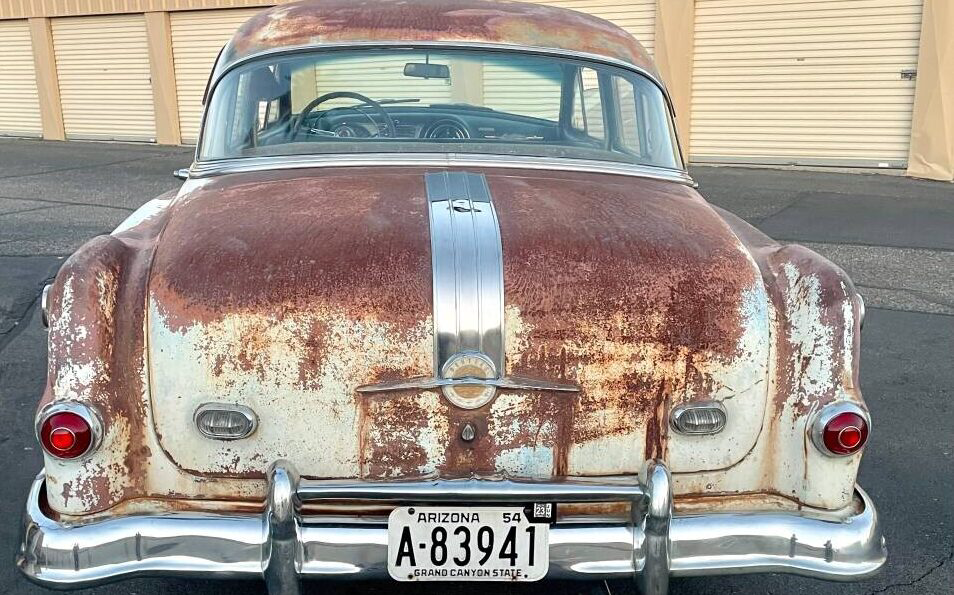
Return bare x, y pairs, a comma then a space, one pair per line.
182, 174
427, 71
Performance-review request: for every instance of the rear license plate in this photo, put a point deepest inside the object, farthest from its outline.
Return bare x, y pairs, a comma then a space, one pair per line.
466, 544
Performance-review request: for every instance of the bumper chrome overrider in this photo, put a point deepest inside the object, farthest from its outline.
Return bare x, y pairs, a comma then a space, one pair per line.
281, 546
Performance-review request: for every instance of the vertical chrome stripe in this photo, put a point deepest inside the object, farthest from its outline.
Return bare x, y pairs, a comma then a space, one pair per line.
467, 263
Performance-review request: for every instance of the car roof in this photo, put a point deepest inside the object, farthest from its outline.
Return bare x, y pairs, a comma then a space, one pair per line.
499, 22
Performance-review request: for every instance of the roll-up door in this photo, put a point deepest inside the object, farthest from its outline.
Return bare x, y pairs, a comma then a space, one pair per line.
636, 16
537, 92
380, 78
812, 82
103, 69
197, 37
19, 103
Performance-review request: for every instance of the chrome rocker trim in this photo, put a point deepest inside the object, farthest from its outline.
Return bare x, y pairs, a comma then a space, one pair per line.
282, 547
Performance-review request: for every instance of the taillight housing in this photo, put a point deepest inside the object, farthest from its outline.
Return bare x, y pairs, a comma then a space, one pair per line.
840, 429
68, 430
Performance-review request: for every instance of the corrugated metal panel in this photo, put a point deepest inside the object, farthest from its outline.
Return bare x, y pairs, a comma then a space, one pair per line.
197, 37
638, 17
527, 87
103, 69
19, 102
813, 81
380, 78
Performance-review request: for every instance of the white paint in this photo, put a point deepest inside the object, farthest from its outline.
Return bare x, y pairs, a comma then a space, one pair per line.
316, 426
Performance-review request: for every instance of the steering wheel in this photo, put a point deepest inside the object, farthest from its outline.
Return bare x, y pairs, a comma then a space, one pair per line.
392, 131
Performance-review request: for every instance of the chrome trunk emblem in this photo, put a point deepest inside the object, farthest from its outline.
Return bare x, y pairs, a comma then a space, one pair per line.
462, 366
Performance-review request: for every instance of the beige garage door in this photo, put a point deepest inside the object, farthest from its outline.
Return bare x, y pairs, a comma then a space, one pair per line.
636, 16
197, 37
535, 94
19, 104
804, 82
103, 69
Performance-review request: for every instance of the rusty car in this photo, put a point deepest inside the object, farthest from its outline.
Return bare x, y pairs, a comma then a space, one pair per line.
439, 300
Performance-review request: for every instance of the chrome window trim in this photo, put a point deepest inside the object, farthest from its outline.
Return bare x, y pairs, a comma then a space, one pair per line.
88, 413
219, 71
826, 414
254, 164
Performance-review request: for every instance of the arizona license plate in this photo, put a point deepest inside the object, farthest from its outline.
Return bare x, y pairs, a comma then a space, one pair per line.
466, 544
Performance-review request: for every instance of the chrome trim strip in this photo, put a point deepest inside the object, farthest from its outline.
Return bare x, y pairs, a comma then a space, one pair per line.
281, 162
45, 305
468, 292
467, 261
282, 546
511, 382
603, 489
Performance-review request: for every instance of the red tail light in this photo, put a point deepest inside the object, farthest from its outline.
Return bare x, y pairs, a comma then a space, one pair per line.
840, 429
68, 430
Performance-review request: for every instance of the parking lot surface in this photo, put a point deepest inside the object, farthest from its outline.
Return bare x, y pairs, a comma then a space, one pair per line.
893, 235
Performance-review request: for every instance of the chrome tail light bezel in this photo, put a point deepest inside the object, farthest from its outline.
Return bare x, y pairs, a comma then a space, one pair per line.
88, 413
821, 419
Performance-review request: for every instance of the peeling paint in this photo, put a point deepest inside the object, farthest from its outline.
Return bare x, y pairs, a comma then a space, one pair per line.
283, 291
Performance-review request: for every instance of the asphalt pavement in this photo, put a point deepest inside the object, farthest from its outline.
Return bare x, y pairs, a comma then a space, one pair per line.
893, 235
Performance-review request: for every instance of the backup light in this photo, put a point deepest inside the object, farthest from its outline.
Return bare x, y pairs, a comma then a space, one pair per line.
223, 421
840, 429
704, 417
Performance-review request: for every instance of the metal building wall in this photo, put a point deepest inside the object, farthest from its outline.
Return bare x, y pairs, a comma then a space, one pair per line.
19, 100
807, 82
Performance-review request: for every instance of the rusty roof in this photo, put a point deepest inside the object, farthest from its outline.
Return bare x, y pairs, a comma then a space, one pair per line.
316, 22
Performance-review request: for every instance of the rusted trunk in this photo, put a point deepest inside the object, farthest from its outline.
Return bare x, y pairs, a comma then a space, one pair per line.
286, 291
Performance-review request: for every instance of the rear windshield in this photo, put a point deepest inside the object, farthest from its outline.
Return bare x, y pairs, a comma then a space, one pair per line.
386, 100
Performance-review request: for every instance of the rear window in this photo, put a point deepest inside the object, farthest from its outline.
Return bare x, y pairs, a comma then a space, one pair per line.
383, 100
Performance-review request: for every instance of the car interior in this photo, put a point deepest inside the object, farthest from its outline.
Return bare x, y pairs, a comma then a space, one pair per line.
370, 100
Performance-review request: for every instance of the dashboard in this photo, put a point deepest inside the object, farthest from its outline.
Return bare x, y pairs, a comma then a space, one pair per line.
433, 123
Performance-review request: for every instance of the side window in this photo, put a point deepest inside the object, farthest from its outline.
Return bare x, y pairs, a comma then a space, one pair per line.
630, 133
645, 128
587, 104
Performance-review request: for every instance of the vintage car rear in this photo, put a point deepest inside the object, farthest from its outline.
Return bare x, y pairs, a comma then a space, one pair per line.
439, 301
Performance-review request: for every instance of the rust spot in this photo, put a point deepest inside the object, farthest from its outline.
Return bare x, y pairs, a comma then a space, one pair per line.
599, 266
516, 23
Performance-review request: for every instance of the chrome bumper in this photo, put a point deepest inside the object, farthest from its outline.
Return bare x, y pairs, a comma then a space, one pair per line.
281, 546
